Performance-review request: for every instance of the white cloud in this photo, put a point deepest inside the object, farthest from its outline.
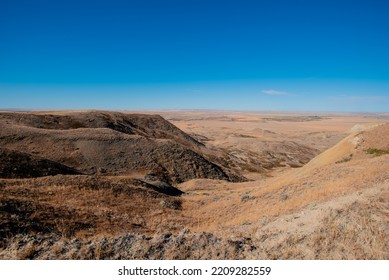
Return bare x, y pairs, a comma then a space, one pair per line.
273, 92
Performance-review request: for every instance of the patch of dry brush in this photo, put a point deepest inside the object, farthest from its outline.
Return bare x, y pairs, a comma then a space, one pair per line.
358, 232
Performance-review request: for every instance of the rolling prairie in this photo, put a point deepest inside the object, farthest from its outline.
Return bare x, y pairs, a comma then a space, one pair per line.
194, 185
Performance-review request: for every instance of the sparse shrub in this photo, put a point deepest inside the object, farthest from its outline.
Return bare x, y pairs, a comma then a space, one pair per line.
284, 197
264, 220
101, 170
172, 204
63, 228
377, 152
247, 197
346, 159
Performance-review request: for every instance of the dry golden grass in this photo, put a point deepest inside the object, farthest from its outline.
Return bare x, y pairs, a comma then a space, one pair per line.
85, 206
218, 204
330, 208
358, 232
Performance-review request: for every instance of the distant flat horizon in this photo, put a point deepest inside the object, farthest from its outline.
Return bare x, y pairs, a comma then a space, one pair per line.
312, 113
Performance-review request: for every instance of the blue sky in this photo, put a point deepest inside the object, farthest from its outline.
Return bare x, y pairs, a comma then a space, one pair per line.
233, 55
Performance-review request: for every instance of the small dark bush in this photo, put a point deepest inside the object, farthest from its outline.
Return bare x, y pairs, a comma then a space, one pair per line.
377, 152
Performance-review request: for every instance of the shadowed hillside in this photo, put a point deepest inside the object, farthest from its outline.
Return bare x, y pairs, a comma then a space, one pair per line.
151, 126
15, 164
111, 144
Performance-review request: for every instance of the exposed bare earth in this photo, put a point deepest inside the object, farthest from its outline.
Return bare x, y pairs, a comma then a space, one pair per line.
208, 185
